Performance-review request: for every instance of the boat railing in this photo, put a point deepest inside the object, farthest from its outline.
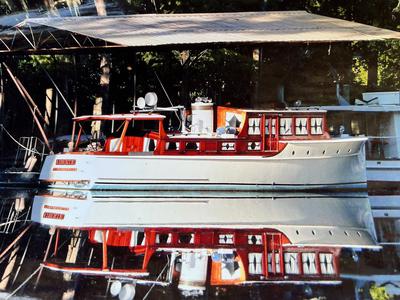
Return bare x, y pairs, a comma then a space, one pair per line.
30, 151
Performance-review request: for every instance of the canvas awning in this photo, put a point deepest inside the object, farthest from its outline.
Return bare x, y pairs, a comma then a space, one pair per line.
154, 30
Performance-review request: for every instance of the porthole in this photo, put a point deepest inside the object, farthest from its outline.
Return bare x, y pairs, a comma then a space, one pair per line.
308, 152
313, 232
337, 151
323, 152
297, 232
293, 153
330, 232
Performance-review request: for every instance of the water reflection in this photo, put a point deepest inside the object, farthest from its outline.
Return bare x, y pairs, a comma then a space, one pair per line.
333, 220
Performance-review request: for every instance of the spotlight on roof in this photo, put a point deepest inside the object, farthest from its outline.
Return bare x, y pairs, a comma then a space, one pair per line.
141, 103
151, 99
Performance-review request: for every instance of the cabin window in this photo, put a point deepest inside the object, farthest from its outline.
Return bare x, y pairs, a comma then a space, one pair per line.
255, 239
254, 126
186, 238
277, 263
230, 268
254, 146
226, 238
255, 263
273, 126
301, 126
326, 263
285, 126
229, 146
193, 146
172, 146
309, 266
316, 126
291, 263
232, 119
163, 238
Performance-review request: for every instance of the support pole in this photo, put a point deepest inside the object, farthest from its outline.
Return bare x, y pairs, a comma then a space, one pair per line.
56, 243
105, 260
122, 136
55, 115
51, 232
22, 260
9, 268
75, 104
32, 110
49, 108
15, 241
1, 107
74, 246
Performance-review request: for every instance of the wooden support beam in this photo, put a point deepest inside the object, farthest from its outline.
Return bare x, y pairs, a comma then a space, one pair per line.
32, 110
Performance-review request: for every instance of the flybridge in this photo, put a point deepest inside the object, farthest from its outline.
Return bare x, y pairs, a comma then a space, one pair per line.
119, 117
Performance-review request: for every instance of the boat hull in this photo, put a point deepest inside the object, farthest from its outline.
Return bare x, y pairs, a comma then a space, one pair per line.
306, 219
302, 165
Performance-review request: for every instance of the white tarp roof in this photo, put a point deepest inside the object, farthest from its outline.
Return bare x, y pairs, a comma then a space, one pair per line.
243, 27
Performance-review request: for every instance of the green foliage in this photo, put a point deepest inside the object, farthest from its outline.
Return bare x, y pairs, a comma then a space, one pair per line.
379, 293
389, 65
227, 75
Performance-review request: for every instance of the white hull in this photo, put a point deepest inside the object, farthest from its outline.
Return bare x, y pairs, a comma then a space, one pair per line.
383, 170
305, 219
322, 164
387, 206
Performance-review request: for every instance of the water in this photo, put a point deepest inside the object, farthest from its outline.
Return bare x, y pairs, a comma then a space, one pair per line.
359, 269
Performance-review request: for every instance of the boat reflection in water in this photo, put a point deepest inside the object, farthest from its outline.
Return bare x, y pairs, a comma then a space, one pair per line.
192, 241
15, 208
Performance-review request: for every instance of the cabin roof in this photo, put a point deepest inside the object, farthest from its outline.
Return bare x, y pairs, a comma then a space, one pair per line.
120, 117
295, 110
363, 108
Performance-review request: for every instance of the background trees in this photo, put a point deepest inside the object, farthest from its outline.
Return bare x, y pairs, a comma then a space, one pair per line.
242, 76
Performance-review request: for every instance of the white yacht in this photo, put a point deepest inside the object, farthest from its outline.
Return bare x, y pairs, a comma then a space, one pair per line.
377, 117
254, 150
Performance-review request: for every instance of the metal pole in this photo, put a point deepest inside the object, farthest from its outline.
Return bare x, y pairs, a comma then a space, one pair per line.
22, 261
1, 107
75, 92
134, 80
55, 115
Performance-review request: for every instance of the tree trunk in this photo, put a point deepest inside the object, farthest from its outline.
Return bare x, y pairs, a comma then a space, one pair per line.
372, 70
102, 97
